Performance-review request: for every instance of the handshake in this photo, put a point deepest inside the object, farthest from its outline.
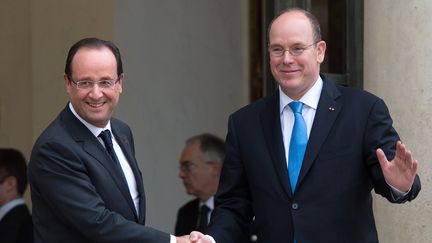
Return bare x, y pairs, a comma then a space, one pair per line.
194, 237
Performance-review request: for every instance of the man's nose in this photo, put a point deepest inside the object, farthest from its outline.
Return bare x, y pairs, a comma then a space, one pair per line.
96, 91
287, 57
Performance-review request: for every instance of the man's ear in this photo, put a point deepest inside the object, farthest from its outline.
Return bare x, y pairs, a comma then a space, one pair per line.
321, 51
121, 80
67, 82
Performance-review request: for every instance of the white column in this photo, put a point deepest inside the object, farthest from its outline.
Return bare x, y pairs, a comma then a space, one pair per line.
398, 68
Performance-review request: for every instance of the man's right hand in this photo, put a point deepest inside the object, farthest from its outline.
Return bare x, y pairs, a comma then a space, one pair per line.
182, 239
198, 237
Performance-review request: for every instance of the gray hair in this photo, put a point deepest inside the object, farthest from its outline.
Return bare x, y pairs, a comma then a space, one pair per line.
212, 147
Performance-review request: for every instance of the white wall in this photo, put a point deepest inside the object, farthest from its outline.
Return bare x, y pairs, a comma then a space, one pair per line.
186, 70
55, 26
398, 61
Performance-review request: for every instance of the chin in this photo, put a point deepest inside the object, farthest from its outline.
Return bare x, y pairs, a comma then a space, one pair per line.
289, 85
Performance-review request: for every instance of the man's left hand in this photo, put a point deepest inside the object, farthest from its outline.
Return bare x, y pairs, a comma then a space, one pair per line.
401, 171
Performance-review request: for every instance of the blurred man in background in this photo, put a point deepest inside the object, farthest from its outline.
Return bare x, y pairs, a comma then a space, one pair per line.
15, 219
200, 166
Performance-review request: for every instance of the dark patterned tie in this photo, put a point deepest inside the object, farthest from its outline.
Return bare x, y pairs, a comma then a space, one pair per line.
106, 138
203, 220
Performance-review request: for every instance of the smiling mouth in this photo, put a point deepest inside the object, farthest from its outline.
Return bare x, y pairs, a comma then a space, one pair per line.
288, 71
96, 105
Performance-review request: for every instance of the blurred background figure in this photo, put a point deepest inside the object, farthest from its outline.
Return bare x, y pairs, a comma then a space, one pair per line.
15, 219
200, 167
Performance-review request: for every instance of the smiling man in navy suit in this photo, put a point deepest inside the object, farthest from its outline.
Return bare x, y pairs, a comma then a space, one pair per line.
85, 182
305, 160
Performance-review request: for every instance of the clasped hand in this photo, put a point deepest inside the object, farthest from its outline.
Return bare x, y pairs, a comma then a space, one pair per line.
194, 237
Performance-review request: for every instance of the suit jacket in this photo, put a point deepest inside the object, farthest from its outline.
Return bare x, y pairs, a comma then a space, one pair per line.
78, 193
187, 218
332, 201
16, 226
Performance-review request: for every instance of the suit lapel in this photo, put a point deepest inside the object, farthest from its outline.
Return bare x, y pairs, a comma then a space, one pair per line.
98, 152
329, 107
93, 147
126, 146
270, 119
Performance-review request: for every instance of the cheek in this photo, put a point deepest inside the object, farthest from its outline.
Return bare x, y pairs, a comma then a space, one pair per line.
114, 96
273, 63
78, 93
274, 67
308, 63
197, 179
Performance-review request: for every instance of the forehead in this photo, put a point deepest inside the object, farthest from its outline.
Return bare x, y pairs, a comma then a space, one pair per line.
291, 28
191, 152
89, 52
94, 58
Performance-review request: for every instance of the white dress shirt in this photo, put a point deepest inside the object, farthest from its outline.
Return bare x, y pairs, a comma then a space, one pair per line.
127, 170
210, 204
310, 101
9, 206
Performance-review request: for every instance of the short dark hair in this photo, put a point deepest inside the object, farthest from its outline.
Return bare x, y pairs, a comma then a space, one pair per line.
93, 43
12, 163
316, 29
211, 146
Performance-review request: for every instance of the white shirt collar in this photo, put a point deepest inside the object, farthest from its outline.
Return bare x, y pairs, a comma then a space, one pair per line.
209, 203
9, 206
310, 98
93, 129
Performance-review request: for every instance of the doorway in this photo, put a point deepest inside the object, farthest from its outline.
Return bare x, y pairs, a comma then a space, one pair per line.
342, 29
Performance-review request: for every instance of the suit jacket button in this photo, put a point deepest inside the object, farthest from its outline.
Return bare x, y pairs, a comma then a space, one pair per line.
294, 206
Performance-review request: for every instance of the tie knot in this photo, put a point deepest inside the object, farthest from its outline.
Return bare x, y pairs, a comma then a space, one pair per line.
204, 209
296, 106
106, 137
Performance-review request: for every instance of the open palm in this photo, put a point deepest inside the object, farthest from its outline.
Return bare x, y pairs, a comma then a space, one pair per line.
399, 172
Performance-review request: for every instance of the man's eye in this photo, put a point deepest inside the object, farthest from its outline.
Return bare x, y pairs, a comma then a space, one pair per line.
85, 83
277, 50
105, 83
297, 49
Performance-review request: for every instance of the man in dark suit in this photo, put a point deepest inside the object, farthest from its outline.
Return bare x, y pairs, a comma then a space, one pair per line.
85, 181
200, 166
15, 219
305, 160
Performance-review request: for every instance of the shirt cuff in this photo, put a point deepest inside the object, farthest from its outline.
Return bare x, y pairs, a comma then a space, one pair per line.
172, 239
397, 194
210, 238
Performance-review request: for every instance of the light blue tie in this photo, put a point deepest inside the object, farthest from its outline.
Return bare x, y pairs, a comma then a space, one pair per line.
298, 143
